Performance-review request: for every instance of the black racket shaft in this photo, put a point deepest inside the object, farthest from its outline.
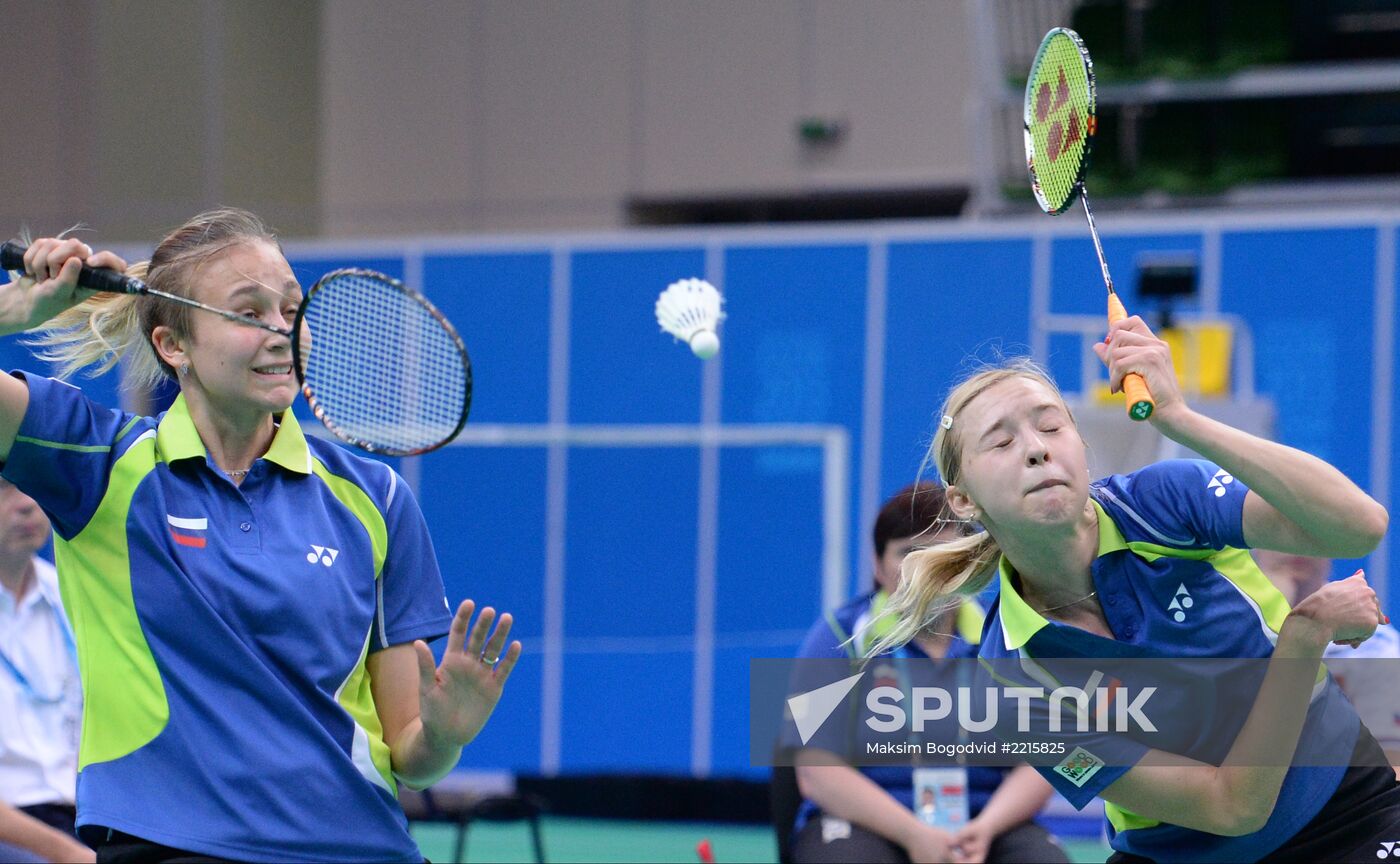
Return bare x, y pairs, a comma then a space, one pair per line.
93, 278
102, 279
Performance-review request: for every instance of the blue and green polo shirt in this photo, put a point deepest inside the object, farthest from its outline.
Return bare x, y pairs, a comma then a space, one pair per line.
1174, 581
223, 630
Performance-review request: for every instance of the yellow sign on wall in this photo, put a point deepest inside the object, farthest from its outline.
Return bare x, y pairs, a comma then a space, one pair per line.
1201, 354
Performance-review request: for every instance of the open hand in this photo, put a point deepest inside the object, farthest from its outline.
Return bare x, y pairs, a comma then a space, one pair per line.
457, 697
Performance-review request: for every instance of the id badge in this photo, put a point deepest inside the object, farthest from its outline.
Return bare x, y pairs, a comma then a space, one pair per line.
940, 796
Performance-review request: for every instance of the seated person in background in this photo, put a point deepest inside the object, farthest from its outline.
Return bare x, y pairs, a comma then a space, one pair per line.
868, 814
1370, 686
40, 700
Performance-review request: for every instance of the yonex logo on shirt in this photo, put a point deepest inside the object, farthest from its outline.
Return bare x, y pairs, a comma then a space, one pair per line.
1388, 850
1181, 601
1218, 483
324, 554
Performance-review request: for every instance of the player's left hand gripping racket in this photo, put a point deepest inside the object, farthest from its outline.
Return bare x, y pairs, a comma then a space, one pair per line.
1060, 124
388, 372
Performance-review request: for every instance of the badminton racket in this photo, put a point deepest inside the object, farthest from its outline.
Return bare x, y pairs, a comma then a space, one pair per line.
1059, 128
389, 373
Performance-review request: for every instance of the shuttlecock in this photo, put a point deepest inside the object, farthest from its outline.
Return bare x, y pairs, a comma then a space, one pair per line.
690, 310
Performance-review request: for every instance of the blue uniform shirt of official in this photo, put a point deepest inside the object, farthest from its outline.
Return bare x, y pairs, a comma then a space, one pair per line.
828, 639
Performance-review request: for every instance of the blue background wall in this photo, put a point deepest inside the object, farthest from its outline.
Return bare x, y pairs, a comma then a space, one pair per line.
862, 327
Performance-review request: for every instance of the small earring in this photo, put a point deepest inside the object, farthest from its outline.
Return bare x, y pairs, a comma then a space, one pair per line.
184, 368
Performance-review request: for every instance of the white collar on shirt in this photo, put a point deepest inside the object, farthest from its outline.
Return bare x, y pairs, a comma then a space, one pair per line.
45, 588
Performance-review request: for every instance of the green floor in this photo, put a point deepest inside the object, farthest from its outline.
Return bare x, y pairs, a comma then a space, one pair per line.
598, 840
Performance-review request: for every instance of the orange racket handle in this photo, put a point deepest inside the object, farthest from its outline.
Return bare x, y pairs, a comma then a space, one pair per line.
1139, 398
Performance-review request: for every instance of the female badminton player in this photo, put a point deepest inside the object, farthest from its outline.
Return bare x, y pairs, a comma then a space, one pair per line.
1151, 565
250, 604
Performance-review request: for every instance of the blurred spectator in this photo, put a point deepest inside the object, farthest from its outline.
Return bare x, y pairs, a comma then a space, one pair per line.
1371, 685
40, 696
868, 814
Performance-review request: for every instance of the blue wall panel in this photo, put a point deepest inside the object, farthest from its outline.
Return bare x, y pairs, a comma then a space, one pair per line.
622, 368
629, 613
631, 543
627, 713
1308, 296
499, 303
794, 353
1077, 289
1393, 544
488, 531
947, 301
104, 389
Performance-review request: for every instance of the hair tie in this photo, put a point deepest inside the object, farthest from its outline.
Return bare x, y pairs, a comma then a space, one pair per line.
947, 421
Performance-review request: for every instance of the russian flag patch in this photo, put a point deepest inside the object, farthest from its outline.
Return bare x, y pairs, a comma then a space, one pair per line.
188, 532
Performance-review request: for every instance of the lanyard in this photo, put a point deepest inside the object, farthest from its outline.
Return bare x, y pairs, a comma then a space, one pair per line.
23, 681
903, 657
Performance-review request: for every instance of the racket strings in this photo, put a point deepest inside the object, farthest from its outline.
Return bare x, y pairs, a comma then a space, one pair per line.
1059, 117
382, 368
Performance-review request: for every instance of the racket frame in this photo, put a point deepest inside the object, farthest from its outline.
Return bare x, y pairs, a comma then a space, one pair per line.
1090, 122
1140, 404
319, 411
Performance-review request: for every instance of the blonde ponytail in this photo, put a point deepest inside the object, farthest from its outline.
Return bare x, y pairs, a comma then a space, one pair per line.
936, 578
94, 335
933, 580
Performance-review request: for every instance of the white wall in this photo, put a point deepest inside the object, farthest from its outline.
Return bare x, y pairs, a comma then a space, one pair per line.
352, 117
542, 114
132, 115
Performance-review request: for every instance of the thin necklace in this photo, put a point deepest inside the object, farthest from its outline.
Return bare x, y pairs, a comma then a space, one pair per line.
1067, 605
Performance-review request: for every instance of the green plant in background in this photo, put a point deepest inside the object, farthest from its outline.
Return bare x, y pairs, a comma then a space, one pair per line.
1184, 39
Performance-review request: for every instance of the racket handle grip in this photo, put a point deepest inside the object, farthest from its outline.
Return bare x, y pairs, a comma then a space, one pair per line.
93, 278
1139, 398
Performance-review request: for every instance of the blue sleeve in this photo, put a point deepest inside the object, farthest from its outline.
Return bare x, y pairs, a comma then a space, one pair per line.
1183, 503
64, 452
412, 601
1080, 777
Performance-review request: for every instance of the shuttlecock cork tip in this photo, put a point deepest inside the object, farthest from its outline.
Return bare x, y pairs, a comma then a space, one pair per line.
704, 344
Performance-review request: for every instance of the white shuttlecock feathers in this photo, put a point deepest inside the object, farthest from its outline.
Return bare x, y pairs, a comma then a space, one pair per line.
690, 310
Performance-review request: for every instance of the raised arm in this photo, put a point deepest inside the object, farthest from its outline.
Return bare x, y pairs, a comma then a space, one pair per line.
1297, 502
49, 287
1237, 797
